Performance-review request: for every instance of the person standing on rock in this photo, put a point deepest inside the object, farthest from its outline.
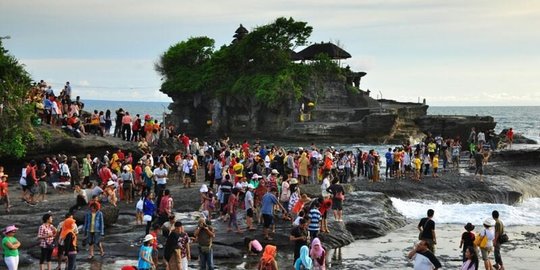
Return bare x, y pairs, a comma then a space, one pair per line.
204, 235
300, 236
267, 209
166, 205
149, 210
4, 192
499, 232
160, 176
94, 229
427, 230
177, 250
424, 258
338, 196
10, 246
479, 164
46, 234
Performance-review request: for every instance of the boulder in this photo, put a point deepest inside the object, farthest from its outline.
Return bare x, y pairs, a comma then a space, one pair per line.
110, 214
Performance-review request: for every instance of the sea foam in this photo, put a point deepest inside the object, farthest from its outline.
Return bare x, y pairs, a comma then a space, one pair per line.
526, 213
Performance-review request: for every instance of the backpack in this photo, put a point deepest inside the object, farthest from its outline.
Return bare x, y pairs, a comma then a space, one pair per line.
313, 161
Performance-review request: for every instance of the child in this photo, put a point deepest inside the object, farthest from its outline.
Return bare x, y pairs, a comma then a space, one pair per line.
145, 253
254, 247
139, 211
417, 167
435, 166
467, 239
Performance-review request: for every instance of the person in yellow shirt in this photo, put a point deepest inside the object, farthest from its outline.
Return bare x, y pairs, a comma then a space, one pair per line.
435, 165
238, 169
417, 167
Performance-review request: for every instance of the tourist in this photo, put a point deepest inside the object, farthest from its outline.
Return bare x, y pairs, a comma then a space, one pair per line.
46, 234
467, 239
147, 176
417, 168
324, 208
4, 192
254, 247
109, 194
166, 205
285, 195
269, 200
69, 237
318, 255
426, 226
118, 123
154, 232
435, 166
126, 127
304, 261
338, 196
499, 235
42, 185
177, 250
10, 246
31, 180
249, 206
225, 189
94, 229
74, 168
86, 169
231, 209
303, 171
315, 217
204, 235
424, 258
470, 261
300, 236
188, 169
510, 137
489, 233
145, 254
160, 176
149, 210
427, 163
268, 259
389, 164
479, 164
127, 183
168, 226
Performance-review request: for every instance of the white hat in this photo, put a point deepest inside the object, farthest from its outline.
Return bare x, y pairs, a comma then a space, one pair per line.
203, 189
250, 186
489, 222
147, 238
256, 176
127, 168
110, 183
274, 171
294, 181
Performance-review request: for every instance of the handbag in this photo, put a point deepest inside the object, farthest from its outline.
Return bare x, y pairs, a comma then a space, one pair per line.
481, 241
503, 238
147, 218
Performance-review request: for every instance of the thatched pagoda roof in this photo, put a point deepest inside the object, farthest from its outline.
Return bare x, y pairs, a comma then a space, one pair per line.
328, 48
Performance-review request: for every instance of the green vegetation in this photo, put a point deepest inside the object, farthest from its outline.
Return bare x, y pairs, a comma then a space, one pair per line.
256, 65
16, 111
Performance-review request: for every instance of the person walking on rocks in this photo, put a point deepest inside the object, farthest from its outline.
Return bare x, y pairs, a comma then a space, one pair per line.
427, 230
268, 201
94, 229
499, 232
177, 249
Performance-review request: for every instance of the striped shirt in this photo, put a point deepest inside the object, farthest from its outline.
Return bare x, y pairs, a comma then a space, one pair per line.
314, 219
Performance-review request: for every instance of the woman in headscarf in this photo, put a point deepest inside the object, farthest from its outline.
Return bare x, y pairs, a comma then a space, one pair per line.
70, 242
268, 259
318, 255
304, 262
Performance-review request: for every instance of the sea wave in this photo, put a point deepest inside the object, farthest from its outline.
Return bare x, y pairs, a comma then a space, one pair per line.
525, 213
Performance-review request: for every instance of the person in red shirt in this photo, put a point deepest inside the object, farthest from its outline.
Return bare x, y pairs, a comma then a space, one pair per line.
323, 208
138, 177
105, 175
510, 137
4, 198
245, 149
121, 155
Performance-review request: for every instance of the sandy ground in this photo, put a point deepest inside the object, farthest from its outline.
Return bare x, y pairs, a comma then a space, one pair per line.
389, 252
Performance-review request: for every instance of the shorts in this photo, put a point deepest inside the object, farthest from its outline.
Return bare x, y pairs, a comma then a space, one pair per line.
42, 187
249, 212
479, 170
93, 238
485, 253
126, 185
407, 168
324, 215
46, 255
337, 204
267, 220
454, 159
435, 170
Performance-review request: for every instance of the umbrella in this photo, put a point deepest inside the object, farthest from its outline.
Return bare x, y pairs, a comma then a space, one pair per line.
328, 48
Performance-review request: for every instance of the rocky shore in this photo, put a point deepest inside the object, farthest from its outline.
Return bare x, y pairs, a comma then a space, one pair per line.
368, 210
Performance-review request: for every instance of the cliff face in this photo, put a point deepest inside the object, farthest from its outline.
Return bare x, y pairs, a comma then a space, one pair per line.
332, 110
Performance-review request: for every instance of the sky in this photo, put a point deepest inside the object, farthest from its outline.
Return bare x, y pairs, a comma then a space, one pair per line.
452, 53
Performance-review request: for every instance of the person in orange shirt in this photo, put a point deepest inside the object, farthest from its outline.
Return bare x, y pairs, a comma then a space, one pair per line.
4, 198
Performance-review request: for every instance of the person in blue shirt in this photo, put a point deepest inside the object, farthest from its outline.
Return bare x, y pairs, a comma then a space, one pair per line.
149, 209
268, 201
389, 162
145, 254
218, 175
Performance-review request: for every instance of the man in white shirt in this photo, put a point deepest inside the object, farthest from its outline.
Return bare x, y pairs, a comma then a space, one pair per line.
423, 258
160, 175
